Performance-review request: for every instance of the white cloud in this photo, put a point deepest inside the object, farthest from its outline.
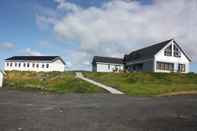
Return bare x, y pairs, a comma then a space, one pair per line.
7, 46
30, 52
118, 27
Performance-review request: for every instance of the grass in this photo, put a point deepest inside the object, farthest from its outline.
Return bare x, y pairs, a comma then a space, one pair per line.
147, 84
50, 82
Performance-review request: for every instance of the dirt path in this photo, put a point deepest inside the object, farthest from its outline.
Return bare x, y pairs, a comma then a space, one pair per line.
110, 89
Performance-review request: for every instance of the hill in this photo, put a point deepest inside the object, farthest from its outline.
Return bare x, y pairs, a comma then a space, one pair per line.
147, 84
52, 82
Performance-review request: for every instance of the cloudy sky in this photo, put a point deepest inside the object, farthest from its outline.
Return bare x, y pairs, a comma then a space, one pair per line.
79, 29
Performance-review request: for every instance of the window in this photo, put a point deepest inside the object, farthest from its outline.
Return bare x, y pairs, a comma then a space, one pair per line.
33, 65
27, 64
42, 65
165, 66
108, 66
47, 65
181, 68
177, 52
10, 64
24, 64
7, 64
19, 64
168, 51
37, 65
15, 64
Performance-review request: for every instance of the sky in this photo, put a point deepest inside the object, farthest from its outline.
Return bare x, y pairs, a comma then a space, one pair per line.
77, 30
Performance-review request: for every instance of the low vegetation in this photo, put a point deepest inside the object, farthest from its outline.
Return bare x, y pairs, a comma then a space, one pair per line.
52, 82
147, 84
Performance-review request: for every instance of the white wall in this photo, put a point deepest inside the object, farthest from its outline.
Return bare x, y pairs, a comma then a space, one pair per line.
108, 67
53, 66
160, 57
1, 79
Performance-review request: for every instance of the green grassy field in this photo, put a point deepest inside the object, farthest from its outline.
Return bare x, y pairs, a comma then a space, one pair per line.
52, 82
147, 84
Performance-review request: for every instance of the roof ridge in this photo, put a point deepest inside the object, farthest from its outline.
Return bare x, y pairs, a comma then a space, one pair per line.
150, 46
109, 57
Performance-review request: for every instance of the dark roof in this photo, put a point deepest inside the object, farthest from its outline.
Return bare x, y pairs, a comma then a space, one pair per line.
35, 58
147, 52
107, 60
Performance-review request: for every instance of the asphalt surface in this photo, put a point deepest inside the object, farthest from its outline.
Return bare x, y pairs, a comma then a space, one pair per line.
35, 111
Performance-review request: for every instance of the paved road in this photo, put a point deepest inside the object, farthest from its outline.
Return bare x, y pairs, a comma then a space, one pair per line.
110, 89
34, 111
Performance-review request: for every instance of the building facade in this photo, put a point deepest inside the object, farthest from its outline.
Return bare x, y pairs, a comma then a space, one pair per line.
35, 63
1, 78
107, 64
166, 56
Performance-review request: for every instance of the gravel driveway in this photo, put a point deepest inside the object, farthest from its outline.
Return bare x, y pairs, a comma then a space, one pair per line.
35, 111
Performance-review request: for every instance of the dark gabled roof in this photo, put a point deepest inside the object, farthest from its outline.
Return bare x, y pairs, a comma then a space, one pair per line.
107, 60
147, 52
35, 58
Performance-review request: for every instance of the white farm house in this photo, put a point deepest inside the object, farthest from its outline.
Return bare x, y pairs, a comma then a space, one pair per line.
35, 63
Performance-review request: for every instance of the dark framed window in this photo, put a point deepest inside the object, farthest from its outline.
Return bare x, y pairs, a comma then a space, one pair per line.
181, 67
108, 66
19, 64
15, 64
165, 66
27, 64
177, 52
10, 64
37, 65
47, 65
42, 65
24, 64
33, 65
168, 51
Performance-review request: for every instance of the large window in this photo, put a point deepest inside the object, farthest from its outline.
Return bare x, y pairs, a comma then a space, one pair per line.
177, 52
165, 66
181, 67
168, 51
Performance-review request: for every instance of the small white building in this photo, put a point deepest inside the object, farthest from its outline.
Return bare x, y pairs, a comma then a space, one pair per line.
35, 63
166, 56
107, 64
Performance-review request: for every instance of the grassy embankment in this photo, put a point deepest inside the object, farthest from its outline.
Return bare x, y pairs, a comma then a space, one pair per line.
52, 82
148, 84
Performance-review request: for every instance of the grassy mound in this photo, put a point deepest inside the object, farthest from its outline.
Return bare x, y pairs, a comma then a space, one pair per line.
53, 82
147, 84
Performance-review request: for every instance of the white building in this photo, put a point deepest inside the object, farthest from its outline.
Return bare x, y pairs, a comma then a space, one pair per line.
1, 78
35, 63
107, 64
166, 56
